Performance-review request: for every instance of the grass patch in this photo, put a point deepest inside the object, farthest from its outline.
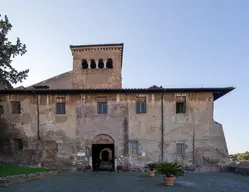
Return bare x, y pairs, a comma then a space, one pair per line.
6, 170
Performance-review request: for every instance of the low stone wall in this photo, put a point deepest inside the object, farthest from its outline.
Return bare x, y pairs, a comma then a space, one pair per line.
14, 179
240, 170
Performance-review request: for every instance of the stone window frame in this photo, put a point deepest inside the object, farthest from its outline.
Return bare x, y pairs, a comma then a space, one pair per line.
102, 101
15, 107
181, 104
180, 148
131, 148
60, 101
139, 101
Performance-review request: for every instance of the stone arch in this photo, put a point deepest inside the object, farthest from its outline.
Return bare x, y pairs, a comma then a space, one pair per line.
109, 153
102, 139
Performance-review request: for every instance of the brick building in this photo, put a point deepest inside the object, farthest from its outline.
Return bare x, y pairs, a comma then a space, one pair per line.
85, 117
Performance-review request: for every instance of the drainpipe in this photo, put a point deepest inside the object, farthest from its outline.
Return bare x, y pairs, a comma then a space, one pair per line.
38, 116
162, 127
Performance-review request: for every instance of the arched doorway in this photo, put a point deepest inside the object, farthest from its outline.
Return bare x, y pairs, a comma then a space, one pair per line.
103, 153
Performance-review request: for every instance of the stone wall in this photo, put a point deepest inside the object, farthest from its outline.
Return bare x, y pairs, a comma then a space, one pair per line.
63, 136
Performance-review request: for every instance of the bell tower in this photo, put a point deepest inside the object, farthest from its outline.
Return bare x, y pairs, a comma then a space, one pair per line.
97, 66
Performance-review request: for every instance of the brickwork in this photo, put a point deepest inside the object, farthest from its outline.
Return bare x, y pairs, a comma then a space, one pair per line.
97, 78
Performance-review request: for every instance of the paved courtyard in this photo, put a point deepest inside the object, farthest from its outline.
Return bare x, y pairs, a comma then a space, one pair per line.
135, 182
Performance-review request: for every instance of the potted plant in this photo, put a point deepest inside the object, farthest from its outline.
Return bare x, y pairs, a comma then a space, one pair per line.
151, 167
119, 168
88, 168
170, 171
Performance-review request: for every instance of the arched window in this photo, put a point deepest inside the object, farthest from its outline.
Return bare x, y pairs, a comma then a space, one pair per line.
101, 63
109, 64
93, 64
84, 64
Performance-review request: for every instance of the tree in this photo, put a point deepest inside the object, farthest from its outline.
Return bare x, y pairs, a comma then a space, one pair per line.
7, 52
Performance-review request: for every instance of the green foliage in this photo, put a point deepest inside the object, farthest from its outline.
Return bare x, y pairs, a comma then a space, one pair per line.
6, 170
151, 166
7, 52
170, 169
240, 156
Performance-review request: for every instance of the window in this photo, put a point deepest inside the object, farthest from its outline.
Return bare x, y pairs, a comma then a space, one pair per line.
101, 64
60, 105
16, 107
109, 64
102, 105
84, 64
133, 147
180, 104
180, 148
1, 109
93, 64
141, 105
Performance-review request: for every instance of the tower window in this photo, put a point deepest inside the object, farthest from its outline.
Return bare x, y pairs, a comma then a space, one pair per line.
84, 64
101, 63
109, 64
93, 64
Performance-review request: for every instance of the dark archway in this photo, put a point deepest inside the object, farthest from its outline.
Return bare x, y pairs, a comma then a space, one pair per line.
103, 153
84, 64
109, 64
93, 64
101, 64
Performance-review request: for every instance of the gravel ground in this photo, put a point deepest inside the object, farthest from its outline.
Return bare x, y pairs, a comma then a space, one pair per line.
135, 182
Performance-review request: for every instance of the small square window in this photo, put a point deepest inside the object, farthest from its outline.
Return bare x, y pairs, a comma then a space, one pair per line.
16, 107
180, 148
60, 108
133, 147
102, 108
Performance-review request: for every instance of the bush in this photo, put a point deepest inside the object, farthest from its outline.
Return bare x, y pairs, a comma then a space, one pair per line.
151, 166
170, 169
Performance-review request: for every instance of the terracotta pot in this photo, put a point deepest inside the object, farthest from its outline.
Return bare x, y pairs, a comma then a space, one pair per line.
151, 173
169, 180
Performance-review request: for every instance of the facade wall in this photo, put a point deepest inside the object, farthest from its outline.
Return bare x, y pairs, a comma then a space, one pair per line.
63, 136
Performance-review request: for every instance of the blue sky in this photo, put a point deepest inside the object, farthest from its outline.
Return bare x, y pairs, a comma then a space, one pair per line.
170, 43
